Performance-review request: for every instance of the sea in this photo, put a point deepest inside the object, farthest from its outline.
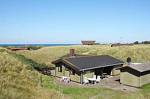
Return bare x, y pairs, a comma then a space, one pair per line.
37, 44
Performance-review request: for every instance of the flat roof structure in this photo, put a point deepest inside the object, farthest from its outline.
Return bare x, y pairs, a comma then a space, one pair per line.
140, 67
135, 74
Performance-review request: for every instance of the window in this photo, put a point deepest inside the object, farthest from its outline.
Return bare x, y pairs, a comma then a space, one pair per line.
60, 69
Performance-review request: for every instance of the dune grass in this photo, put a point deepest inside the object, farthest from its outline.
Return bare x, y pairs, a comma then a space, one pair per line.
138, 53
19, 82
14, 79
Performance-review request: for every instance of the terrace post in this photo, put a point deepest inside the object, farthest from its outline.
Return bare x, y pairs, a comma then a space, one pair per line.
55, 70
102, 70
81, 77
64, 70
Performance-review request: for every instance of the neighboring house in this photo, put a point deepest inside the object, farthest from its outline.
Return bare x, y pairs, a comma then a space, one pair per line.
18, 49
77, 66
119, 44
88, 42
135, 75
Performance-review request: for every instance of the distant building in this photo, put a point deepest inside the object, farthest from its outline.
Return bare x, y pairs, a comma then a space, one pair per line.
88, 42
135, 75
119, 44
17, 49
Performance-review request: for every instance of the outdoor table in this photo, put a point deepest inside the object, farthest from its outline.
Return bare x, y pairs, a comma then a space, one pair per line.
104, 75
63, 77
66, 79
92, 80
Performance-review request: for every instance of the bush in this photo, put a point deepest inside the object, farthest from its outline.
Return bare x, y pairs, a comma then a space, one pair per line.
29, 62
33, 47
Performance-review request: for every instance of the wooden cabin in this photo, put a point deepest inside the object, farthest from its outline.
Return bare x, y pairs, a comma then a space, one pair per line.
17, 49
119, 44
78, 66
88, 42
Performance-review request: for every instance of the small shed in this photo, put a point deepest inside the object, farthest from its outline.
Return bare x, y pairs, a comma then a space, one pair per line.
119, 44
18, 49
135, 75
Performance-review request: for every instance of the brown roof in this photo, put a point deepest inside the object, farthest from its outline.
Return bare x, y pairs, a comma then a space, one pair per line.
118, 44
17, 49
88, 42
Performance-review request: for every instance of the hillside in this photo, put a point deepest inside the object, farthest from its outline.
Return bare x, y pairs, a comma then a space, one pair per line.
18, 82
138, 53
19, 79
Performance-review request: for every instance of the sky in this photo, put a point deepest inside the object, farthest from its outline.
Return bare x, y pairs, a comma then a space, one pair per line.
70, 21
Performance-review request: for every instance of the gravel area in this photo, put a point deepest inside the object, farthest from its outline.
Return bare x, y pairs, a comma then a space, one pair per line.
112, 83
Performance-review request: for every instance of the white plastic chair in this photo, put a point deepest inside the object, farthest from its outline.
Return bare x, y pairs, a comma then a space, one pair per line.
94, 76
98, 79
67, 80
85, 81
62, 78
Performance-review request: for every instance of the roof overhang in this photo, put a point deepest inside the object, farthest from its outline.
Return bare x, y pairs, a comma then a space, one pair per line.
101, 66
67, 63
74, 67
80, 70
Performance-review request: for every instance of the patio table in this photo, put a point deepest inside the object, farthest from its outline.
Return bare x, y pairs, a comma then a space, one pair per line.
65, 79
92, 80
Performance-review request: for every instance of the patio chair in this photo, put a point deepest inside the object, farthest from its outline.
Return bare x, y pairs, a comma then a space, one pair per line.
85, 81
94, 76
62, 79
98, 79
67, 80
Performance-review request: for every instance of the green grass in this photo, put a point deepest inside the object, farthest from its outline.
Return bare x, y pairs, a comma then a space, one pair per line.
14, 79
27, 61
83, 93
146, 91
19, 82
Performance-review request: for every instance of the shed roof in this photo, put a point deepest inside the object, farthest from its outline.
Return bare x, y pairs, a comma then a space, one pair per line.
140, 67
88, 42
91, 62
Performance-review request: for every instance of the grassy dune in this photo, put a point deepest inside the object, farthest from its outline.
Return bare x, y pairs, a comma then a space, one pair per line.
138, 53
19, 81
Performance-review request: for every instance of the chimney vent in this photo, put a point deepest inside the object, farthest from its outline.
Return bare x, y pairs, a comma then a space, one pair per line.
129, 60
72, 52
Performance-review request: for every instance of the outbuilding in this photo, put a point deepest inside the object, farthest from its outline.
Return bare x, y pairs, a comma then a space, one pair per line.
88, 42
136, 74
